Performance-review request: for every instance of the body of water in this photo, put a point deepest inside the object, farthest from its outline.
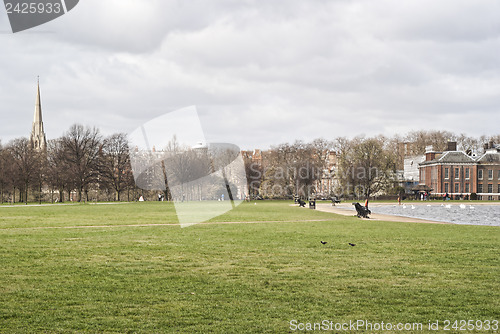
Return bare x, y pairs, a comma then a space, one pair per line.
457, 213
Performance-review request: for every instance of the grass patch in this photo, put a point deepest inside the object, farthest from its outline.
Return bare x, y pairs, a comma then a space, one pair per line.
235, 278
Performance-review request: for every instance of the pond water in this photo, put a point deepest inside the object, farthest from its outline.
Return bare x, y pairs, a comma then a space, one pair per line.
463, 213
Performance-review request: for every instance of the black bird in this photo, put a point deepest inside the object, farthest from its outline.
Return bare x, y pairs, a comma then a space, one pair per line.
323, 242
352, 244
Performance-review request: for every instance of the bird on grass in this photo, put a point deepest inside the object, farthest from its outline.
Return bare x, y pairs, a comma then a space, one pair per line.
352, 244
323, 242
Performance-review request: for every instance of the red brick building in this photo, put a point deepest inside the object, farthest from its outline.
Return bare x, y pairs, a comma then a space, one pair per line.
488, 173
458, 174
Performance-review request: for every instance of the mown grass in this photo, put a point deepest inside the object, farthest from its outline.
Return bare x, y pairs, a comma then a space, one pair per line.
235, 278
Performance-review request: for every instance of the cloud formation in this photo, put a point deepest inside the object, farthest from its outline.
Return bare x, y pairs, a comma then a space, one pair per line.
259, 72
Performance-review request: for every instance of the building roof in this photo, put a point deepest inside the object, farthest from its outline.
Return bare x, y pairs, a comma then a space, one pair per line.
490, 157
451, 157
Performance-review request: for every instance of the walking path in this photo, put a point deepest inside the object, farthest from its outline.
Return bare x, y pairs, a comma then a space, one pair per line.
342, 209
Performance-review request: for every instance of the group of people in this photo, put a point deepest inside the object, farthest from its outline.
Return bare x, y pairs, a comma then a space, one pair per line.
424, 196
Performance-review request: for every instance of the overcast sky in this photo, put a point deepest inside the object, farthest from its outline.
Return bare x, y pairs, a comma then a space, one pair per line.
260, 72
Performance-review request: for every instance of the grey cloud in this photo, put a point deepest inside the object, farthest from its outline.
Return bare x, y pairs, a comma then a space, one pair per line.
259, 72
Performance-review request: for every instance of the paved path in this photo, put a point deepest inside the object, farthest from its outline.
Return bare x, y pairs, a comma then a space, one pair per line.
342, 209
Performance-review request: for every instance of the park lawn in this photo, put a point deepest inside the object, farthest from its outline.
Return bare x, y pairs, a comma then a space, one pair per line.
235, 278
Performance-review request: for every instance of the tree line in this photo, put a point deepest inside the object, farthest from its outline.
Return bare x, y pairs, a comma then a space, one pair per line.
84, 165
79, 162
363, 166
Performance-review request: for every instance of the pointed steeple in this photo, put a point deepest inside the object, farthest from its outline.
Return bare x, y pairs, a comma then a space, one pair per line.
38, 140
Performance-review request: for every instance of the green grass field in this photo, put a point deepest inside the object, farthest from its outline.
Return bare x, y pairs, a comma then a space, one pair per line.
86, 268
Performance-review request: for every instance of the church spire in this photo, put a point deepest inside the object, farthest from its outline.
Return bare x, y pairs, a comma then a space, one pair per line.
38, 140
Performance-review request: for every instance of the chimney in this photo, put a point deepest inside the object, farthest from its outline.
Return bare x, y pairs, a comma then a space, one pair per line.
429, 153
452, 146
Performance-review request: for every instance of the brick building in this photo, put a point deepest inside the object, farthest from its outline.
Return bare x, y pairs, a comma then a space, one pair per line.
488, 173
460, 174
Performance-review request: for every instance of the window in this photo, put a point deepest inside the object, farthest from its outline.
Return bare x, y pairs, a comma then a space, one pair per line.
467, 173
446, 187
446, 173
467, 188
457, 188
490, 174
480, 188
480, 174
499, 174
457, 173
490, 188
490, 198
498, 189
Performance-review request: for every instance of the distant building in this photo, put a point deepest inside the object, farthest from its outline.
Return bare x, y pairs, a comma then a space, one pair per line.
37, 138
457, 173
488, 173
410, 176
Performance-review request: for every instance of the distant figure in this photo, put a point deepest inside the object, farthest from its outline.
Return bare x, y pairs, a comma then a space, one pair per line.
141, 199
399, 200
302, 204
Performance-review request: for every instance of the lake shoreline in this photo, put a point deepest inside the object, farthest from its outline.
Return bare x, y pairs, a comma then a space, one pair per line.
346, 209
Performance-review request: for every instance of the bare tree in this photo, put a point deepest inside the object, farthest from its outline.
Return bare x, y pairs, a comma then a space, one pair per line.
4, 173
188, 171
294, 168
366, 166
468, 144
58, 177
254, 174
225, 161
421, 139
114, 165
26, 165
81, 146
